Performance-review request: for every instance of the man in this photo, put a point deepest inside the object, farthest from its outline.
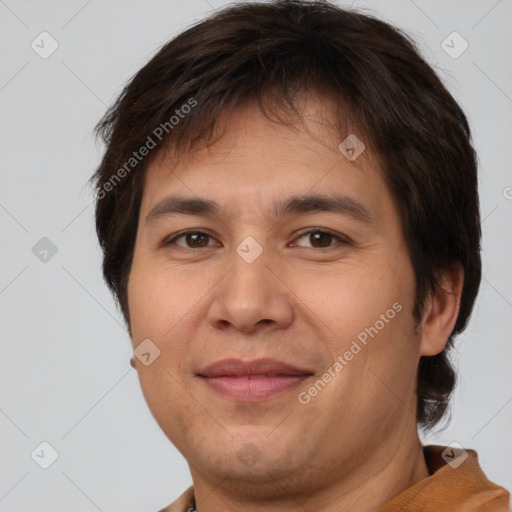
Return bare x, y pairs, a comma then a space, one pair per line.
288, 211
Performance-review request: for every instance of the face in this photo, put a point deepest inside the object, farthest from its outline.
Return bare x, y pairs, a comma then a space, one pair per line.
284, 324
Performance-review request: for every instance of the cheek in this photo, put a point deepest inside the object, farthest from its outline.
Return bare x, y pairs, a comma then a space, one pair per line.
138, 296
353, 299
368, 312
170, 406
156, 303
156, 309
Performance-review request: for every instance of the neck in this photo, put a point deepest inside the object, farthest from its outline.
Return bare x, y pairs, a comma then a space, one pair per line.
394, 467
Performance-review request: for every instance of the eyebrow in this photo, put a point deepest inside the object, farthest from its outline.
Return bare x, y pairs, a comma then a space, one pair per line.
300, 204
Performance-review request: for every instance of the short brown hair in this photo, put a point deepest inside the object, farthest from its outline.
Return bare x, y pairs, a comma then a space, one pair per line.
251, 51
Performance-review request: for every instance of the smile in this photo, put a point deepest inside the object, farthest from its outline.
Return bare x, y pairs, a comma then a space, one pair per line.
252, 381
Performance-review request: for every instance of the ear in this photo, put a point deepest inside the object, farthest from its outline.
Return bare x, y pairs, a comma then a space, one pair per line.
441, 311
132, 363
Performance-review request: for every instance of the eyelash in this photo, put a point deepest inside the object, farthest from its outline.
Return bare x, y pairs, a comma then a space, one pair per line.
343, 240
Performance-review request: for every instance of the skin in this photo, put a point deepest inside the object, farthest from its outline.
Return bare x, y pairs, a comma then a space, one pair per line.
355, 444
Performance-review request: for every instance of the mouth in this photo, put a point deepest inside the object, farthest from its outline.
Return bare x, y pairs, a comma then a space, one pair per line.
252, 381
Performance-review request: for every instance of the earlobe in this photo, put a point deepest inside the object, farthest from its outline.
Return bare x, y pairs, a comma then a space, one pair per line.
132, 363
441, 311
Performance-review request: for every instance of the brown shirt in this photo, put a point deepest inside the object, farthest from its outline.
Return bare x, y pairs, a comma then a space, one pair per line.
449, 488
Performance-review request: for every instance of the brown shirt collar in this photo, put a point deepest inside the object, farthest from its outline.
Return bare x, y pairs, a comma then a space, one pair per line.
454, 485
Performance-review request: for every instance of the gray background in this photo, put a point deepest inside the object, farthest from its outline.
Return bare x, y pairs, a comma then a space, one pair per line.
64, 367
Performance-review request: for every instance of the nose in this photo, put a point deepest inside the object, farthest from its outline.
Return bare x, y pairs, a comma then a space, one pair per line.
251, 296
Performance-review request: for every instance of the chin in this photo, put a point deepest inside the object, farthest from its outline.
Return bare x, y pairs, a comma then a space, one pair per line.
266, 479
259, 457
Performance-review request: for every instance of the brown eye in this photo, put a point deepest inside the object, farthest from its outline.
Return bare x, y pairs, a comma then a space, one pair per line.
321, 238
193, 240
197, 239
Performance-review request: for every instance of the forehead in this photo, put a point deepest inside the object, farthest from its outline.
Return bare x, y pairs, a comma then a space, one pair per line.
257, 159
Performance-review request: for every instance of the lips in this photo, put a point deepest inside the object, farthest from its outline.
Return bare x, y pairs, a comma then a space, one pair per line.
237, 368
254, 380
